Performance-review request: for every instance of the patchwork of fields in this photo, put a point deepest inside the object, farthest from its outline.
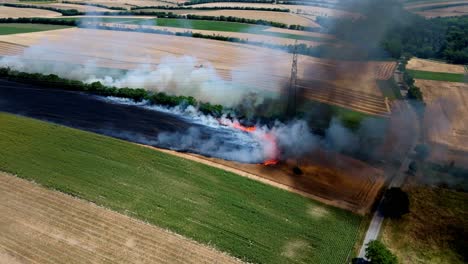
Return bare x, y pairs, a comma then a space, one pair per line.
7, 29
66, 229
245, 218
261, 68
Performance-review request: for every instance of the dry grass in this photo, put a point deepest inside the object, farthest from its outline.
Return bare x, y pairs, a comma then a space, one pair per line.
281, 17
446, 122
412, 5
39, 225
126, 3
81, 8
258, 67
246, 36
445, 12
332, 179
433, 232
15, 12
434, 66
303, 9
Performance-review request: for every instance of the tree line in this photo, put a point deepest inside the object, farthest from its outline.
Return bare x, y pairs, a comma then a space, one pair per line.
196, 2
212, 8
159, 98
64, 12
386, 29
159, 14
37, 20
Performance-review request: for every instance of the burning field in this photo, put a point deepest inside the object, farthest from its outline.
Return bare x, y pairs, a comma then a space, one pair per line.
248, 219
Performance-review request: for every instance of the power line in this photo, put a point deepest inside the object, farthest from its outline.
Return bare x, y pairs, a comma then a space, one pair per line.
292, 96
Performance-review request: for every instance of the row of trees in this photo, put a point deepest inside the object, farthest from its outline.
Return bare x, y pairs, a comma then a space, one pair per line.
440, 38
55, 82
212, 8
414, 92
196, 2
138, 12
50, 21
64, 12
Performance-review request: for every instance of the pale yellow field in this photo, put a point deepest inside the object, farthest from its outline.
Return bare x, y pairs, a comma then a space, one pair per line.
81, 8
14, 12
436, 3
281, 17
434, 66
439, 12
310, 10
44, 226
446, 119
126, 3
445, 12
350, 84
246, 36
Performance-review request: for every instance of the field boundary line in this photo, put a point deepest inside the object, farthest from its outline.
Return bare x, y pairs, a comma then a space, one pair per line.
193, 157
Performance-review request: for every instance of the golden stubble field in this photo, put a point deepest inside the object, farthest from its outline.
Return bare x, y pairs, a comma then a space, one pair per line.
14, 12
434, 66
43, 226
446, 121
343, 83
281, 17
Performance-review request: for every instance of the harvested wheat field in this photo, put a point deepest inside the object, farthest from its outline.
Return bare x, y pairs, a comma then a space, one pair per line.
439, 8
446, 122
68, 230
445, 12
246, 36
81, 8
15, 12
126, 3
434, 66
263, 68
302, 9
281, 17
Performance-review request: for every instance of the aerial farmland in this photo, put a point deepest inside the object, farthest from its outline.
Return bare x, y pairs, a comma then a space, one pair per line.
202, 131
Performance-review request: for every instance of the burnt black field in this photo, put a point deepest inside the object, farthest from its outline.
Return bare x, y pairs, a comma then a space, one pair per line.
130, 122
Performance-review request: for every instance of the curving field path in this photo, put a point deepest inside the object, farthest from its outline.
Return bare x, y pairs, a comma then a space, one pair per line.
44, 226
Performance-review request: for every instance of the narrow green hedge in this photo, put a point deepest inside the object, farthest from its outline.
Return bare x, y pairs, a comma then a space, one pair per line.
55, 82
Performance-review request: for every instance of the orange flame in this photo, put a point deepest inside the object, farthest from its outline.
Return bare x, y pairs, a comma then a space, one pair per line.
243, 128
268, 137
270, 162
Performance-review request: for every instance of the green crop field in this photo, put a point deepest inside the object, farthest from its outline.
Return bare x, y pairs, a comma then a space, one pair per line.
437, 76
248, 219
7, 29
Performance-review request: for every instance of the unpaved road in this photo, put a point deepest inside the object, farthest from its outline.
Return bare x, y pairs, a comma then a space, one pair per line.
38, 225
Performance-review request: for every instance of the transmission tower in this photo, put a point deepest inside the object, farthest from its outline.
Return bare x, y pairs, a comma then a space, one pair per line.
291, 108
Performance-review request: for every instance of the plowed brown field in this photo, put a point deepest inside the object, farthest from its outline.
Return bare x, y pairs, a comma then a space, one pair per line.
43, 226
344, 83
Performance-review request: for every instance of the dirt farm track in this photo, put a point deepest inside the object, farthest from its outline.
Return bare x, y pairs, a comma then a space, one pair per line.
69, 230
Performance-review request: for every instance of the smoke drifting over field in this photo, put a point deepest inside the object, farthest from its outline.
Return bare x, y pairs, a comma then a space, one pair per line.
186, 75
